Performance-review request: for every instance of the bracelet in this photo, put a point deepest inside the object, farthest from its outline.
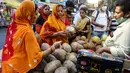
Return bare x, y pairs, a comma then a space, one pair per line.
52, 48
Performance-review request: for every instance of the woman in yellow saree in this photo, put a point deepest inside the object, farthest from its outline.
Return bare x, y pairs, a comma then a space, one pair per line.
83, 25
54, 28
21, 51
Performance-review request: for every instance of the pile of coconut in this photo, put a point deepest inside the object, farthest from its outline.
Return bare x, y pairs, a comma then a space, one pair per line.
64, 59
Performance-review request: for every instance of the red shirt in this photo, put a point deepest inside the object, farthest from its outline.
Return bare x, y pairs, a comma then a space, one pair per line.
67, 23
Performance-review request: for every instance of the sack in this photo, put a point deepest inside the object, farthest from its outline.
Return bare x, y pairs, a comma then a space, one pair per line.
97, 63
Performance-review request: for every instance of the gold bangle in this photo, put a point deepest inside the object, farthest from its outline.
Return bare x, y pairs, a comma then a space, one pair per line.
52, 48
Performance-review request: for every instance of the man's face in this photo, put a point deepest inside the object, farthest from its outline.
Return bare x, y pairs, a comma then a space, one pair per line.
118, 12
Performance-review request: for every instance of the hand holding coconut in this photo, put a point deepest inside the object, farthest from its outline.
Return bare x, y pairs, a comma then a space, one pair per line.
61, 33
52, 48
71, 31
57, 44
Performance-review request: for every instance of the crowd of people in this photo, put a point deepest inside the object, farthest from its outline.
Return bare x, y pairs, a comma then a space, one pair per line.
21, 51
5, 15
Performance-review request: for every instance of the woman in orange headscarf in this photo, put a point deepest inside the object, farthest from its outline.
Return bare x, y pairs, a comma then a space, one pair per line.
44, 13
54, 28
21, 51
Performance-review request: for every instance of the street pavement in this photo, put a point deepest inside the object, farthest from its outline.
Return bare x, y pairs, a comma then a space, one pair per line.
2, 36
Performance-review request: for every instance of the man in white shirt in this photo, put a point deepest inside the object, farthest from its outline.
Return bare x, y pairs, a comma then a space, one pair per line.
119, 44
101, 19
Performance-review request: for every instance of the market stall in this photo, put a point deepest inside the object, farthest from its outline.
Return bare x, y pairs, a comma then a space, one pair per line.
79, 57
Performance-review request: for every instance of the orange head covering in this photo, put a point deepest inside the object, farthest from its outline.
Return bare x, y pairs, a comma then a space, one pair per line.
54, 19
52, 25
21, 51
25, 13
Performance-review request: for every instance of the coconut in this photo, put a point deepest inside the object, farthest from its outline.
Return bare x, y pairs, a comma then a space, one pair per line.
71, 57
67, 47
76, 46
104, 37
45, 46
70, 66
52, 66
41, 65
96, 40
83, 38
77, 38
60, 54
89, 46
50, 58
61, 70
70, 29
81, 42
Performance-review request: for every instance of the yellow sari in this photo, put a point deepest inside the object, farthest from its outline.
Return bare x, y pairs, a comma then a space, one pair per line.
84, 24
51, 26
21, 51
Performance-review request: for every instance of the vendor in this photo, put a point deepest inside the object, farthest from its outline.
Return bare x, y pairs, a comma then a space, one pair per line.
119, 44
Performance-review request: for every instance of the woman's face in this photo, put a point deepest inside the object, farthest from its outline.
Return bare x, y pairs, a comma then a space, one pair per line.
47, 10
60, 11
82, 14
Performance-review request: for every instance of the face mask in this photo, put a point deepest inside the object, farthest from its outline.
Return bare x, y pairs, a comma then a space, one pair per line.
104, 8
122, 19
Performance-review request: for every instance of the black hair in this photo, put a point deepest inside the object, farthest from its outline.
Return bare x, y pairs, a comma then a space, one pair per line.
80, 4
124, 4
45, 6
70, 4
36, 7
84, 9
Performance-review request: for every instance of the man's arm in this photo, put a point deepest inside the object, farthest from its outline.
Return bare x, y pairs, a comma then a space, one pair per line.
104, 49
96, 24
109, 22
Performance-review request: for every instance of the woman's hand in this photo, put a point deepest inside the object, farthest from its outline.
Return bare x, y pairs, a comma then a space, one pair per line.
52, 48
57, 44
62, 33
